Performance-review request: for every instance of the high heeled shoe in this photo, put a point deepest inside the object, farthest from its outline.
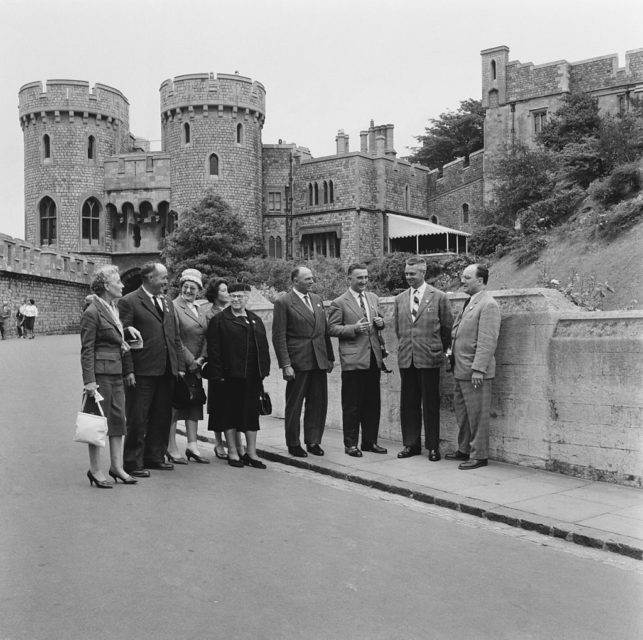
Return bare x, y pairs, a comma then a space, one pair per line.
222, 455
100, 484
189, 454
174, 460
128, 480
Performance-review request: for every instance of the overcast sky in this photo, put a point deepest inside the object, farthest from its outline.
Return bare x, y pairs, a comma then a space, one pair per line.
326, 65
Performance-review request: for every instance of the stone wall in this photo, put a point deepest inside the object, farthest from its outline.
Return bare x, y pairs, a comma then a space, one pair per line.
568, 395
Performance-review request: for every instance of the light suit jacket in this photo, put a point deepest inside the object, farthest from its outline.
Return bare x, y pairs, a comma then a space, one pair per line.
475, 337
300, 337
354, 348
423, 342
192, 330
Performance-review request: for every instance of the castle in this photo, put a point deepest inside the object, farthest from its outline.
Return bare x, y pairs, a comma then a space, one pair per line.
94, 190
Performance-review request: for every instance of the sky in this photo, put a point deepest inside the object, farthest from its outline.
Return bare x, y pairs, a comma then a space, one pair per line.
326, 66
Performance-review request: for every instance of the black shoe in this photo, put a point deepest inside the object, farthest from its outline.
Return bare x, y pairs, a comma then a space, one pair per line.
315, 449
127, 480
219, 454
353, 451
196, 457
138, 473
255, 464
374, 448
174, 460
161, 466
235, 463
456, 455
407, 452
473, 464
100, 484
434, 455
297, 451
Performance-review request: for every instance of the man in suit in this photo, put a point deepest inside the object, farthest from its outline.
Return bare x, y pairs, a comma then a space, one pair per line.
150, 380
355, 320
474, 340
423, 327
305, 356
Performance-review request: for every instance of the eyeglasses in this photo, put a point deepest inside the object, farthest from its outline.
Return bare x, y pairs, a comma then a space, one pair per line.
238, 296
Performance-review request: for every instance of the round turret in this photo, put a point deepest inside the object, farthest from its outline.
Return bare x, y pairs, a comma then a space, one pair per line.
211, 127
68, 132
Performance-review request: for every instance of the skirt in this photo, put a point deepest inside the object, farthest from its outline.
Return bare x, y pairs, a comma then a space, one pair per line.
234, 404
112, 389
195, 411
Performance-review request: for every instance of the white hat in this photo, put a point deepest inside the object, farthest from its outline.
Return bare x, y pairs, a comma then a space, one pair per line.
192, 275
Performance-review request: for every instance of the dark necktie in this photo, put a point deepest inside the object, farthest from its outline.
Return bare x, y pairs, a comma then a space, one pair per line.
466, 302
158, 304
361, 304
307, 301
416, 305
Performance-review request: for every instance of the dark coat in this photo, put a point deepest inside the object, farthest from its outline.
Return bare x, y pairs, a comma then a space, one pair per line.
228, 340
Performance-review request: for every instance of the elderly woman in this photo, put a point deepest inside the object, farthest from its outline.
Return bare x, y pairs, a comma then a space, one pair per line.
238, 360
192, 326
103, 348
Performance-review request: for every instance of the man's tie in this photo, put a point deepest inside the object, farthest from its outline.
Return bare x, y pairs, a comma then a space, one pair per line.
361, 304
416, 305
158, 304
307, 301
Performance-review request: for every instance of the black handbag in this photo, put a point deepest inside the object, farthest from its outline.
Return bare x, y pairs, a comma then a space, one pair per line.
181, 397
265, 403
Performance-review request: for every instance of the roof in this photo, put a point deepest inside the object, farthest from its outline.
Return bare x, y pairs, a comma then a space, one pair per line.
404, 227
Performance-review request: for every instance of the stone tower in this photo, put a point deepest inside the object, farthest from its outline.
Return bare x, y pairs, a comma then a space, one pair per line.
211, 127
68, 132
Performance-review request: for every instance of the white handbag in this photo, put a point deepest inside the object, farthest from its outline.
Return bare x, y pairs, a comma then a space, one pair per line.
90, 428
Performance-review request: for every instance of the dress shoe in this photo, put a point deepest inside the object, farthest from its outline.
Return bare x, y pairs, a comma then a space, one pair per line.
100, 484
253, 462
297, 451
315, 449
125, 480
190, 455
174, 460
407, 452
473, 464
235, 463
161, 466
220, 453
139, 473
353, 451
374, 448
434, 455
457, 455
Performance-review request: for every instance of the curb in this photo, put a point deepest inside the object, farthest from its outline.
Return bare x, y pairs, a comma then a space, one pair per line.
577, 534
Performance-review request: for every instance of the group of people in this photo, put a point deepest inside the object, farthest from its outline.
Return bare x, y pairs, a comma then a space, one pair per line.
143, 359
26, 315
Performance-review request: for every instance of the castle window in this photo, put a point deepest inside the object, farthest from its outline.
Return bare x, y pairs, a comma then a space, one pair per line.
434, 219
46, 147
465, 213
540, 117
271, 247
279, 250
623, 104
239, 133
90, 221
274, 201
320, 244
493, 69
316, 191
407, 198
186, 133
47, 221
149, 163
146, 210
310, 194
91, 148
494, 100
214, 164
331, 192
325, 192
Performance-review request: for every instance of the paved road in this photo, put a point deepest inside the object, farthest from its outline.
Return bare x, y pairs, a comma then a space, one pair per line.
215, 552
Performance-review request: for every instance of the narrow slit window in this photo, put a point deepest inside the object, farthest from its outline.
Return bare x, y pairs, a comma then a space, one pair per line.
214, 165
91, 148
239, 133
187, 133
46, 147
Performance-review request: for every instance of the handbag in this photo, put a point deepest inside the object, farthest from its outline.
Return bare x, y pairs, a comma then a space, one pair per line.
186, 395
91, 428
265, 403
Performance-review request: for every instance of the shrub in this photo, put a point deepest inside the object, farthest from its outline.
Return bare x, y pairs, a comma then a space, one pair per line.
485, 241
528, 249
622, 217
624, 181
580, 163
551, 211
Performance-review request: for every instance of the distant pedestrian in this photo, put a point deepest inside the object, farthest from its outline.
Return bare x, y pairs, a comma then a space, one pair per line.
30, 313
475, 337
5, 312
20, 319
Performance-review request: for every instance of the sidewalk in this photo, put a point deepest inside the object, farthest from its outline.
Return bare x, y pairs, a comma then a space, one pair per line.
593, 514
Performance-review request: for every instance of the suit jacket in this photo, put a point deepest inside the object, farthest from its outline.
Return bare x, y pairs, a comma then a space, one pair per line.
101, 343
161, 337
192, 331
300, 338
423, 342
475, 337
354, 348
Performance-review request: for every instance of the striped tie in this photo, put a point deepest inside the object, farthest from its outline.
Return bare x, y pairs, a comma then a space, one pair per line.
416, 305
361, 304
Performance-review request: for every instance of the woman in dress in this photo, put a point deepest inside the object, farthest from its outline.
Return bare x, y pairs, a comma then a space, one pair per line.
238, 360
192, 326
30, 314
103, 348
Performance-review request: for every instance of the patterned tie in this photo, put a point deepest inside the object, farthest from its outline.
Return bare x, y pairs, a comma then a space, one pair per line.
361, 304
416, 305
158, 304
307, 301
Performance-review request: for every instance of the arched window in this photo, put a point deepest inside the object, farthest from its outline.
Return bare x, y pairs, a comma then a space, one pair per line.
46, 147
279, 250
90, 221
331, 192
407, 198
186, 133
493, 69
271, 247
239, 133
91, 148
146, 210
325, 192
214, 164
310, 194
316, 191
47, 221
465, 213
434, 219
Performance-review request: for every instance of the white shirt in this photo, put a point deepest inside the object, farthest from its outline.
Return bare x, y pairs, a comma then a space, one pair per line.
301, 297
420, 294
356, 295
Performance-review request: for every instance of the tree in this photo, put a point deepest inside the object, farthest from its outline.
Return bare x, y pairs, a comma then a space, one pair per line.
210, 238
576, 120
452, 135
